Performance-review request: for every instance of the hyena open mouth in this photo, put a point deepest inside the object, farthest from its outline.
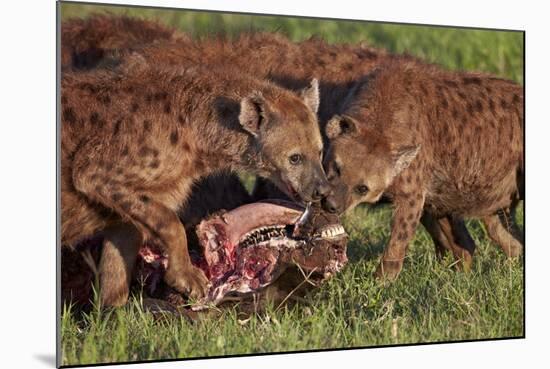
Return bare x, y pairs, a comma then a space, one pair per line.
241, 252
247, 249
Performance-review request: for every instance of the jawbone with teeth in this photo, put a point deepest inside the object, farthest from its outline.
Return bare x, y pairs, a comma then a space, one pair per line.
250, 247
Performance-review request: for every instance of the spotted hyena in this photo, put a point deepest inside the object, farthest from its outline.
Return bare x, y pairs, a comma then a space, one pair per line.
94, 43
134, 140
449, 144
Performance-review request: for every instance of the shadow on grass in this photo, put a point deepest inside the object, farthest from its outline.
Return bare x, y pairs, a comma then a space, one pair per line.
358, 251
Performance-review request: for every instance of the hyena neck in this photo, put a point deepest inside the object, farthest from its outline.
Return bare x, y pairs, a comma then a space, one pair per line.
224, 144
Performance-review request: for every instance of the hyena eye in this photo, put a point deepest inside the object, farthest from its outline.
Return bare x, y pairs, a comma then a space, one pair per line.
361, 190
295, 159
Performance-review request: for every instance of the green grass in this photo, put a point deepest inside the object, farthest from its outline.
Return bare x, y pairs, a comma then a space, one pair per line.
430, 301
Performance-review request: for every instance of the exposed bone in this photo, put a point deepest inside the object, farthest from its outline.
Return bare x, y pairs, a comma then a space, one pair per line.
304, 218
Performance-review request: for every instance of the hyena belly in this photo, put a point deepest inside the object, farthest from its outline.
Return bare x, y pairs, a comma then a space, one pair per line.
455, 196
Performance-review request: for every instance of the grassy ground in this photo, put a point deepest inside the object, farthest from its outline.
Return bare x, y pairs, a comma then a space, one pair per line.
430, 302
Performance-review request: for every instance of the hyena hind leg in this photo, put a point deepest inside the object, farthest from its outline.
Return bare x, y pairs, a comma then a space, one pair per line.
441, 243
450, 234
463, 246
120, 248
508, 220
501, 236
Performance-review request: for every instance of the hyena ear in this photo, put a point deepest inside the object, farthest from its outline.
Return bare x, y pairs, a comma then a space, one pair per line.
404, 157
311, 95
340, 125
252, 113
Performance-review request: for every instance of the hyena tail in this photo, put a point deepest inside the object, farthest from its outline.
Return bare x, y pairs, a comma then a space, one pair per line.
80, 219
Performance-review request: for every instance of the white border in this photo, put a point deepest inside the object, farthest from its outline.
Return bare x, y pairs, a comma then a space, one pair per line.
27, 148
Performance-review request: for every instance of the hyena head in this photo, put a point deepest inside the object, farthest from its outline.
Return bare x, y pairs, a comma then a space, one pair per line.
371, 142
287, 140
360, 164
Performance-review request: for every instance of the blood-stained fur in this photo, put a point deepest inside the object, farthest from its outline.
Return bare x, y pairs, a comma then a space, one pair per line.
134, 141
449, 144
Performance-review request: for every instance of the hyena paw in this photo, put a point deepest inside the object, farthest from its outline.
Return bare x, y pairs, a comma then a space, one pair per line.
513, 251
388, 270
191, 282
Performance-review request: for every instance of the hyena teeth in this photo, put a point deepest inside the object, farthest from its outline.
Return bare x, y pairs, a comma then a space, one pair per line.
333, 231
338, 229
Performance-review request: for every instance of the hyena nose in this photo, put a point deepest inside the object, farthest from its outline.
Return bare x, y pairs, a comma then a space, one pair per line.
321, 191
329, 205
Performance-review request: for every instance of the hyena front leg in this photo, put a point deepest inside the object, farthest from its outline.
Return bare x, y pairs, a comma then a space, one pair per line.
108, 181
160, 223
406, 216
120, 248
